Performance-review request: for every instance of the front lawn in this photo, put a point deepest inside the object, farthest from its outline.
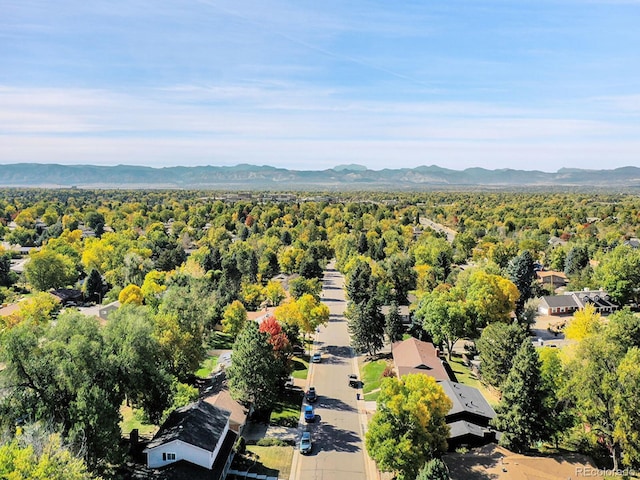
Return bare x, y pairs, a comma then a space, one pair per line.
270, 461
372, 375
286, 411
300, 367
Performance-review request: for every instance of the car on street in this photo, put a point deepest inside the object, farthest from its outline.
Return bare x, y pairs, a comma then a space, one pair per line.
305, 443
309, 414
353, 381
311, 395
316, 358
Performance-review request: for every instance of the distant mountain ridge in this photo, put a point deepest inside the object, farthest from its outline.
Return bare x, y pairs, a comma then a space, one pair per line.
342, 177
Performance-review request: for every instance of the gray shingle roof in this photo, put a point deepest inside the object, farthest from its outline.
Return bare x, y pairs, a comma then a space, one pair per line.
200, 424
466, 399
462, 428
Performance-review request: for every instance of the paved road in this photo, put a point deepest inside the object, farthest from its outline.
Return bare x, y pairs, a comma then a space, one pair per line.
450, 233
337, 432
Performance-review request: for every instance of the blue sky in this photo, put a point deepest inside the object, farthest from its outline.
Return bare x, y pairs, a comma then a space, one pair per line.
534, 85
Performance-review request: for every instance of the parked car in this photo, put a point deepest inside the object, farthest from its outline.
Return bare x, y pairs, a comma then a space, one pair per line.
309, 414
311, 395
305, 443
316, 358
353, 381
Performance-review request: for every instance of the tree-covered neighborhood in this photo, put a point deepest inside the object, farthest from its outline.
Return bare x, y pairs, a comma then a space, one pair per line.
432, 335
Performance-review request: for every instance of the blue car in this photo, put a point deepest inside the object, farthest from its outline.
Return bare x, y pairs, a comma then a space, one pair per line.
305, 443
309, 414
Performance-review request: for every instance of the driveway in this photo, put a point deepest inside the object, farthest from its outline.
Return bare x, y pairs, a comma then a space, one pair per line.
337, 433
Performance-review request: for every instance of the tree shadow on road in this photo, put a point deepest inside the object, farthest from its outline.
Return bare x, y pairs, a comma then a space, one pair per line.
334, 439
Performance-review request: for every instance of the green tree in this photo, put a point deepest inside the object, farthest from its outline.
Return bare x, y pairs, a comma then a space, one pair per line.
36, 455
253, 375
360, 284
310, 267
593, 388
94, 286
234, 318
576, 260
619, 274
65, 364
300, 286
627, 408
498, 345
408, 428
522, 413
401, 276
46, 270
553, 375
393, 323
522, 274
624, 328
446, 317
134, 353
434, 469
7, 277
367, 326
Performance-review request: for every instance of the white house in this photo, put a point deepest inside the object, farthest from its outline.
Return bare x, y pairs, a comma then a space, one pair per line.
197, 433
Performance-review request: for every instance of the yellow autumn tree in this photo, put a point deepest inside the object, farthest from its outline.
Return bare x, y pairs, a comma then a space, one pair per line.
131, 294
585, 323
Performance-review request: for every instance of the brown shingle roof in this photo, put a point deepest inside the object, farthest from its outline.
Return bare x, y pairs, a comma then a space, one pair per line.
415, 356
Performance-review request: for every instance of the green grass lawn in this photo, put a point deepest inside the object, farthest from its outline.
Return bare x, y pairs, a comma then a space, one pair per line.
371, 375
220, 341
372, 397
130, 421
286, 411
207, 367
466, 377
300, 367
270, 461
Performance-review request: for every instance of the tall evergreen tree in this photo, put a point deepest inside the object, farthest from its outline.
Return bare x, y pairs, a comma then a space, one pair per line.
94, 286
361, 286
366, 326
7, 277
522, 274
393, 323
434, 469
576, 260
498, 345
521, 415
253, 374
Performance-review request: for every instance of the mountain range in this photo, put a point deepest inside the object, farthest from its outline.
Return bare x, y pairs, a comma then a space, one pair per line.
342, 177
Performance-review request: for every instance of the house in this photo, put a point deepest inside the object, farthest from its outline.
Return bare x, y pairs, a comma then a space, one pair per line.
415, 356
68, 296
197, 433
217, 394
573, 301
552, 279
469, 416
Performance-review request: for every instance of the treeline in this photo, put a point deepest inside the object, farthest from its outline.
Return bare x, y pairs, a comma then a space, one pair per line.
184, 264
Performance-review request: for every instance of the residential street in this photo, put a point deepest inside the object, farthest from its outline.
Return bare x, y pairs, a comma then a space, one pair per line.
338, 445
